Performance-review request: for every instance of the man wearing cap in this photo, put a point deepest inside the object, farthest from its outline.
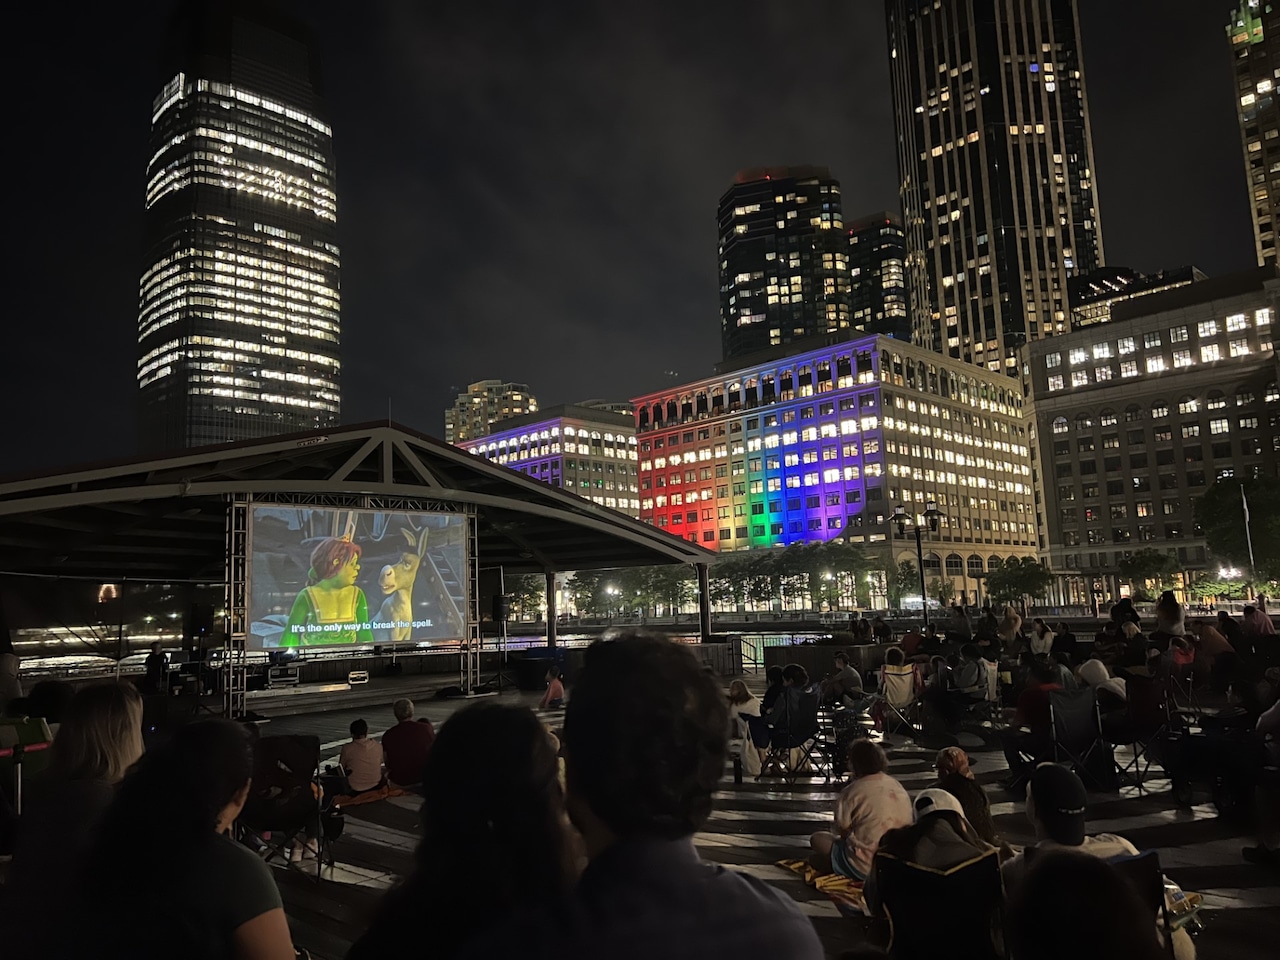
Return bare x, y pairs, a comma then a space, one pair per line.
1056, 801
939, 839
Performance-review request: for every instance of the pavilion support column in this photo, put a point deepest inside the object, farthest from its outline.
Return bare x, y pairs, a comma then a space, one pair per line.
704, 601
551, 608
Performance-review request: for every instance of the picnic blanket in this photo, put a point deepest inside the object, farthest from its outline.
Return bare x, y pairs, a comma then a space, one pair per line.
846, 894
370, 796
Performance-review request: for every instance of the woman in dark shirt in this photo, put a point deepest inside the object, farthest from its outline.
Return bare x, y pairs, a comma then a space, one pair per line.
168, 825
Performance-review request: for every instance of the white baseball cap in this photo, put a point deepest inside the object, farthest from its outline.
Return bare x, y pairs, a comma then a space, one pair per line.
934, 800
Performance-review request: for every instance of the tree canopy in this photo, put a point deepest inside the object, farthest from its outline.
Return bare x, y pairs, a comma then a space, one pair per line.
1017, 578
1149, 566
1220, 512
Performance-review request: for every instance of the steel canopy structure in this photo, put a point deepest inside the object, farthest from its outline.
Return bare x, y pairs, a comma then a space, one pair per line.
183, 517
165, 518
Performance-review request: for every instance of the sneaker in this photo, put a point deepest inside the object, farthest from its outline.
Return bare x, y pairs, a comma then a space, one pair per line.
295, 854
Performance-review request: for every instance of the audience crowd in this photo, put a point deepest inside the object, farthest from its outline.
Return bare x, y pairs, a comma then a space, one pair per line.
582, 846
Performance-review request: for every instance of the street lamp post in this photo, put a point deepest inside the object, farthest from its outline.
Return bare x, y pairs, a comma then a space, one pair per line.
931, 514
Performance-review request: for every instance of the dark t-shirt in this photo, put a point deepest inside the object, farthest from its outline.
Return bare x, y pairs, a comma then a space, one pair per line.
405, 748
215, 888
647, 899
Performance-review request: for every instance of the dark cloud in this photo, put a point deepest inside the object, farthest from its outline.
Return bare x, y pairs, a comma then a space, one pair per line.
528, 191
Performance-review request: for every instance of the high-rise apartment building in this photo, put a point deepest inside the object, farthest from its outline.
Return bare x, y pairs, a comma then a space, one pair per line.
997, 176
828, 442
1133, 420
1094, 296
1254, 32
238, 317
483, 404
784, 259
588, 451
878, 275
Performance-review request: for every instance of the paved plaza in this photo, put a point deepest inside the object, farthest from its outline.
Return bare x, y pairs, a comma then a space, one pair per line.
756, 824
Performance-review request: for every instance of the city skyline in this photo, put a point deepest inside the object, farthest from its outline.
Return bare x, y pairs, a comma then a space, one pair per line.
585, 265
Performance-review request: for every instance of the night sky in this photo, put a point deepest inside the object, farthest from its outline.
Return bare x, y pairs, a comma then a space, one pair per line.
528, 191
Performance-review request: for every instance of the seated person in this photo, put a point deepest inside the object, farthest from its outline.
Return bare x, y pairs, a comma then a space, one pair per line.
746, 724
940, 838
955, 777
881, 631
1064, 643
1108, 920
844, 685
871, 804
1056, 804
1030, 732
407, 745
1108, 644
1109, 690
912, 643
789, 708
773, 691
553, 699
361, 760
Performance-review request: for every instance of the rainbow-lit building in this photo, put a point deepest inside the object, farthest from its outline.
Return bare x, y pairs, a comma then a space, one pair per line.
590, 451
825, 443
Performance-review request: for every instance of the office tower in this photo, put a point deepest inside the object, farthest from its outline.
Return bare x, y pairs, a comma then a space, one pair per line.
1135, 419
587, 451
784, 259
1095, 295
828, 442
1254, 32
483, 404
997, 174
238, 318
877, 272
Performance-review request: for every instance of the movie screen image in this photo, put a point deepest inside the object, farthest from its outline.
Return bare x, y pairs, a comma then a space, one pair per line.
321, 577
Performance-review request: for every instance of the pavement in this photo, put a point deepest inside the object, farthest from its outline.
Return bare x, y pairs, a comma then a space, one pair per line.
756, 824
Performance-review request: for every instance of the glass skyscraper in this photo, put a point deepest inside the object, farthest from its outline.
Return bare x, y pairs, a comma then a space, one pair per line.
877, 269
996, 171
238, 318
784, 259
1254, 32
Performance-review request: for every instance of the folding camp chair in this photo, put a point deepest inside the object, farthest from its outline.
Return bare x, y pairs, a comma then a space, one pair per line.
1144, 725
24, 751
284, 804
1076, 732
899, 694
1147, 879
798, 742
931, 910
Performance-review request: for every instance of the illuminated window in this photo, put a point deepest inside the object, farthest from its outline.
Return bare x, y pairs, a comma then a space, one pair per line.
1207, 328
1102, 374
1181, 358
1237, 322
1055, 382
1080, 378
1102, 351
1239, 348
1079, 355
1126, 345
1053, 360
1155, 364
